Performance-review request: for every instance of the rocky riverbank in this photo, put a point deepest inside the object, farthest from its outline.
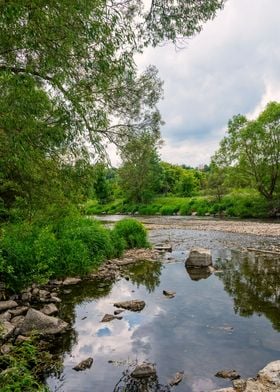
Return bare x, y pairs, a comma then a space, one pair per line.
267, 380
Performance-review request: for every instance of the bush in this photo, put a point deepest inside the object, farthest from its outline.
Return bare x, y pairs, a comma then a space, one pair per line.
132, 232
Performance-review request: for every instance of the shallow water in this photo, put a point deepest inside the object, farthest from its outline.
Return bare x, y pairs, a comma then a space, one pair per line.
229, 320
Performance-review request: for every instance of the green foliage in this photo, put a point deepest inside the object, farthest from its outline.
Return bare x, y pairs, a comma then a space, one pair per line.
22, 369
68, 247
140, 172
132, 232
252, 148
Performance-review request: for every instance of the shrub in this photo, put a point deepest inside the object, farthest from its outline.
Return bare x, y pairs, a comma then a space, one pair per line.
132, 232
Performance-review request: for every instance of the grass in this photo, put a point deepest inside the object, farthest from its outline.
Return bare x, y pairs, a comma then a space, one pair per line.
240, 203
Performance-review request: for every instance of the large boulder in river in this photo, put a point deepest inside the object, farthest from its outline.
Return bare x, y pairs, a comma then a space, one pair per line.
199, 257
36, 321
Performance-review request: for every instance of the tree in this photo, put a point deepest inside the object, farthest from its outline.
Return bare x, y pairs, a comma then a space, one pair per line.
252, 148
140, 172
69, 82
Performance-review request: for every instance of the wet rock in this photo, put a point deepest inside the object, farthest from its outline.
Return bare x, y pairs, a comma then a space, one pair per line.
169, 294
199, 257
118, 311
71, 281
7, 330
45, 325
176, 379
49, 309
110, 317
85, 364
197, 274
145, 370
134, 305
5, 305
231, 374
20, 310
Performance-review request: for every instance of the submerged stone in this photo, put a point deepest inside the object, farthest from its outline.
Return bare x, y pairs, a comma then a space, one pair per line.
83, 365
176, 379
144, 370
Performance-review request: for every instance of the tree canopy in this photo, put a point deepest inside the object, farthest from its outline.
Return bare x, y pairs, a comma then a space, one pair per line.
69, 83
253, 149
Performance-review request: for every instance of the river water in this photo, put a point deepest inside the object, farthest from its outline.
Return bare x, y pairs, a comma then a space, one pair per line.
226, 320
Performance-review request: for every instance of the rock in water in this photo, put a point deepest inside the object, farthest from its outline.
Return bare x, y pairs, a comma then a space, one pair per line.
110, 317
134, 305
85, 364
231, 374
169, 294
36, 321
176, 379
199, 257
49, 309
144, 370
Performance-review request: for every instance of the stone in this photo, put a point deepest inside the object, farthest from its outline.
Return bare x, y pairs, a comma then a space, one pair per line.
6, 316
49, 309
44, 294
26, 297
169, 294
199, 257
55, 299
85, 364
145, 370
18, 320
5, 349
118, 311
163, 247
134, 305
271, 373
19, 310
176, 379
5, 305
110, 317
231, 374
239, 384
39, 322
20, 339
71, 281
35, 291
7, 330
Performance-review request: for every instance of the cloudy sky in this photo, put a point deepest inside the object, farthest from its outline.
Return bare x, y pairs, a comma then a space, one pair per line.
232, 67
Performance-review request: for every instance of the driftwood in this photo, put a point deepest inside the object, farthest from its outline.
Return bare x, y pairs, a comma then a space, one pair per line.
271, 252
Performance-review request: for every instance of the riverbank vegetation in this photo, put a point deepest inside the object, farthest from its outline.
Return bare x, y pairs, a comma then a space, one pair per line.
242, 180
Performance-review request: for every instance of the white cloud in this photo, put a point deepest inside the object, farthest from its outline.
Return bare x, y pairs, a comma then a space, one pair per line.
231, 67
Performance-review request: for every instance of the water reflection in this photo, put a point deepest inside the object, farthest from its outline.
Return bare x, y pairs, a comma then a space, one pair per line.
197, 274
145, 273
128, 383
253, 280
197, 331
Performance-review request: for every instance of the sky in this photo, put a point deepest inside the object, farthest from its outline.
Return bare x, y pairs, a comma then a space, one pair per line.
231, 67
